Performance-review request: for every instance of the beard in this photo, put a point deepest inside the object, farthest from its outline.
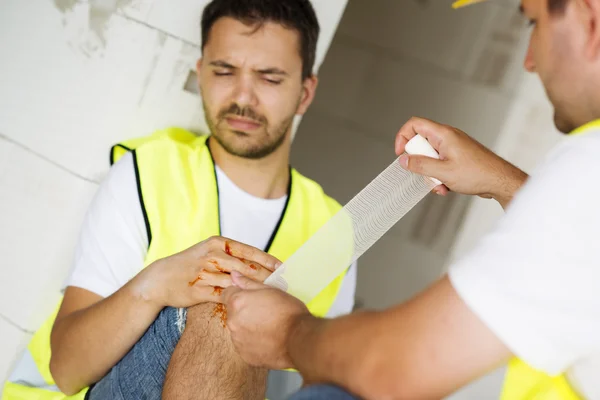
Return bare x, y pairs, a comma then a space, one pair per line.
255, 145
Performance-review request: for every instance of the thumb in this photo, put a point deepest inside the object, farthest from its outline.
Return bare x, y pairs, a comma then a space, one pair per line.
243, 282
423, 165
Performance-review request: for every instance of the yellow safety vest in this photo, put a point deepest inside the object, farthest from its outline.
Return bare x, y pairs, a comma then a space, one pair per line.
173, 169
523, 382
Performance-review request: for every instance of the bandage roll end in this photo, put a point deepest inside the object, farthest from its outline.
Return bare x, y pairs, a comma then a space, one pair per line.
420, 146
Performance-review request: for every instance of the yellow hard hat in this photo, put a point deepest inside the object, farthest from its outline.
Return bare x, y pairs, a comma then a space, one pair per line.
463, 3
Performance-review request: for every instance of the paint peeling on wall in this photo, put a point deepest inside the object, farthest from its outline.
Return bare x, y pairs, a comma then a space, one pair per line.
86, 22
186, 61
65, 5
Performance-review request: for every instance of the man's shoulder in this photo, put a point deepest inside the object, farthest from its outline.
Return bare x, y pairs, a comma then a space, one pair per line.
573, 156
162, 139
578, 146
562, 186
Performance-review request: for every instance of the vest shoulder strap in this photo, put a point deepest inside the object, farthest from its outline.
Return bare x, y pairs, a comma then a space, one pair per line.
174, 134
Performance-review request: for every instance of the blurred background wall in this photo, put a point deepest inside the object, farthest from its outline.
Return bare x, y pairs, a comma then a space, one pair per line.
77, 76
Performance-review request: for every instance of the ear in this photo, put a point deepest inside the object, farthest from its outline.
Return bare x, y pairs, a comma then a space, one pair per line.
309, 88
590, 18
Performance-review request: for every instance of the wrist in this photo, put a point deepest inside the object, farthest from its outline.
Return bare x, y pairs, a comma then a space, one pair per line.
508, 185
145, 287
302, 329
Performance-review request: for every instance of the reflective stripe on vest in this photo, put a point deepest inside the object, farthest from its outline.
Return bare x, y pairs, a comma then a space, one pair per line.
522, 382
175, 161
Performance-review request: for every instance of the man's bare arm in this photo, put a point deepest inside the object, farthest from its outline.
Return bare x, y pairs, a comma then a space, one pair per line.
205, 365
425, 348
91, 334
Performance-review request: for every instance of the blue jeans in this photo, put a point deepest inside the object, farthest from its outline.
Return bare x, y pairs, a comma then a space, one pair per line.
322, 392
141, 373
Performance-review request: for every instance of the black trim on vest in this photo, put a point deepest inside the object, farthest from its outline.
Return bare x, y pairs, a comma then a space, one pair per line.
88, 394
139, 187
112, 152
287, 201
217, 185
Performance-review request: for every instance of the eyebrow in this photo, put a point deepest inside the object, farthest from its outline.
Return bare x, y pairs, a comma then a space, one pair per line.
221, 64
265, 71
521, 8
273, 71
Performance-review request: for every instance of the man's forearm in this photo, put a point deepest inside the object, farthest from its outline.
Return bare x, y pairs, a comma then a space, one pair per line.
87, 343
425, 348
512, 178
333, 351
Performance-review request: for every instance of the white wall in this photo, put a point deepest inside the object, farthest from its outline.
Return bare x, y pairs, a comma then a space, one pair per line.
76, 77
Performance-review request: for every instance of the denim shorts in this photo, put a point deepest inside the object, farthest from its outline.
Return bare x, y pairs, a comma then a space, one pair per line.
322, 392
141, 373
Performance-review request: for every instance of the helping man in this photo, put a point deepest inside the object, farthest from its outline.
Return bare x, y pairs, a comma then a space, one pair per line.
123, 329
530, 289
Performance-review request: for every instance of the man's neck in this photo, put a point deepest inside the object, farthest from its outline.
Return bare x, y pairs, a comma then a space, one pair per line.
267, 178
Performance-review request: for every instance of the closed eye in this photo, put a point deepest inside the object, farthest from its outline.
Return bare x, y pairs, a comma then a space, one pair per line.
273, 81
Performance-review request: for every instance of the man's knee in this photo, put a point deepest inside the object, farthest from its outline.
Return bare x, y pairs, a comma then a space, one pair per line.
205, 318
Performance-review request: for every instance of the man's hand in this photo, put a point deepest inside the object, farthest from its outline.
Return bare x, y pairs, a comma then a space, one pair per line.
465, 165
199, 273
261, 320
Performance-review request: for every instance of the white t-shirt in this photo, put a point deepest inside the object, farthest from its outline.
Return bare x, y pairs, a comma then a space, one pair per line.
113, 241
535, 280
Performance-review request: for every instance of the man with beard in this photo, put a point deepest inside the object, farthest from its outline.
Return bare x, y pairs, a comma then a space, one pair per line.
191, 209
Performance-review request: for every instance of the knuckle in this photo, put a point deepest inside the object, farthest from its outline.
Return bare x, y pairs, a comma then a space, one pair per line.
452, 132
414, 121
211, 255
213, 239
415, 164
236, 301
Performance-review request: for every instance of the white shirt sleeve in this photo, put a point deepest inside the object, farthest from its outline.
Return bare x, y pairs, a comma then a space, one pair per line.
113, 241
344, 301
535, 280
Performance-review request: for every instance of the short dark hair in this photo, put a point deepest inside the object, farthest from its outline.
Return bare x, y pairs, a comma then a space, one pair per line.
293, 14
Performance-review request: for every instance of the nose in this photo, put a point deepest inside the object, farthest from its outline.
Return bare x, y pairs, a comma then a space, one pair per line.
244, 94
529, 62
